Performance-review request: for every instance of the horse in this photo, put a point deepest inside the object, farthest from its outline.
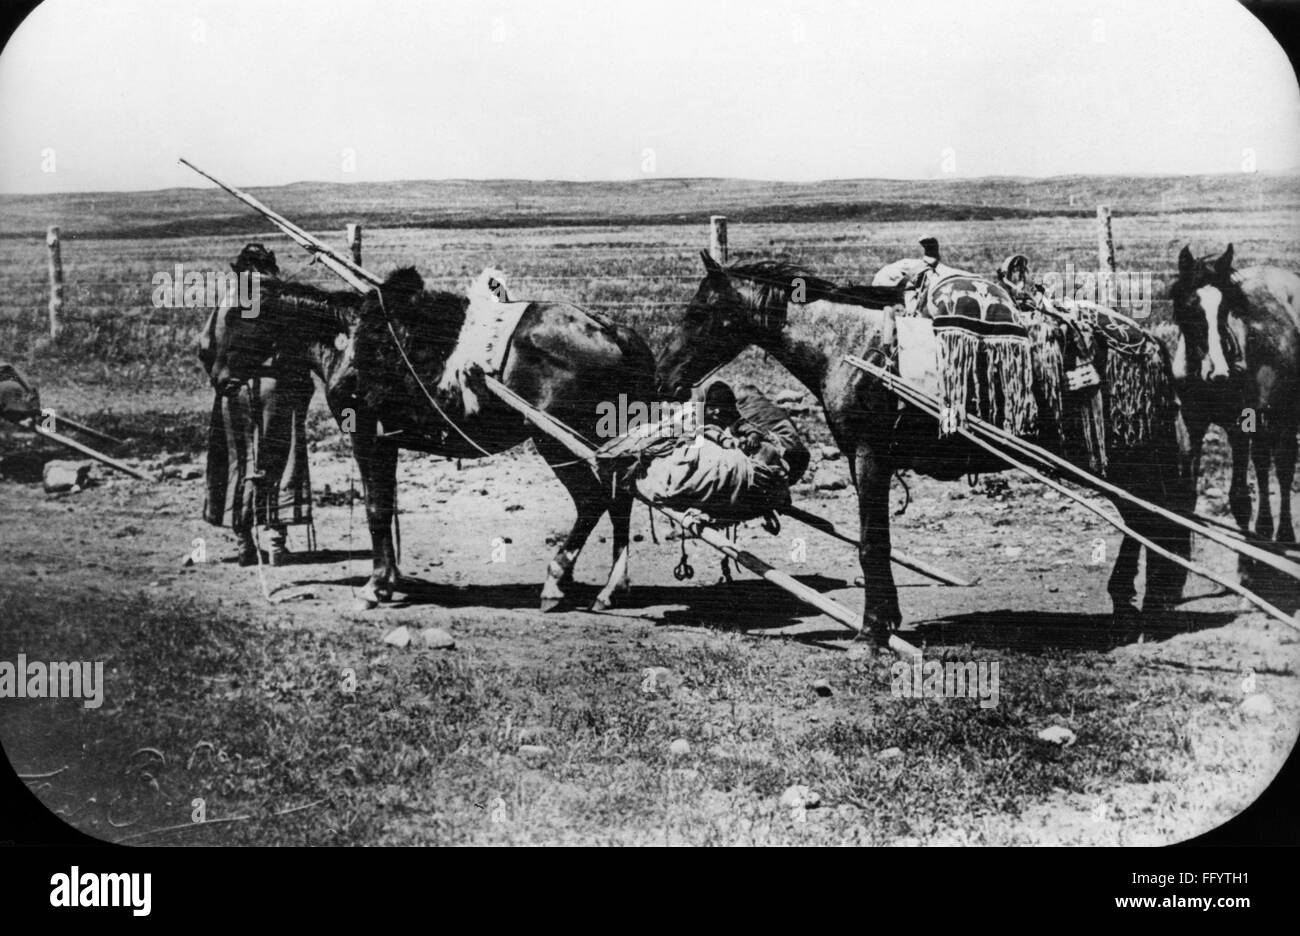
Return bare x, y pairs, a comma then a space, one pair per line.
750, 303
560, 359
1238, 366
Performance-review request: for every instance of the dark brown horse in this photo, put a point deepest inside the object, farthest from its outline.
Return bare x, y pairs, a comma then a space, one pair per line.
750, 304
1238, 365
561, 359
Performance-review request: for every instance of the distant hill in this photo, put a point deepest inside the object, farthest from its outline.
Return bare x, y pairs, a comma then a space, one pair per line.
518, 203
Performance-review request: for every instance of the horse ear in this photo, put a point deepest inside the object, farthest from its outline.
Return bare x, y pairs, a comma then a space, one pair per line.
1186, 262
710, 265
1223, 266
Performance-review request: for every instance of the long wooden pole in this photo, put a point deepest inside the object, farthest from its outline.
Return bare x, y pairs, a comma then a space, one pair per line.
923, 401
1052, 459
73, 424
896, 556
823, 603
352, 273
85, 450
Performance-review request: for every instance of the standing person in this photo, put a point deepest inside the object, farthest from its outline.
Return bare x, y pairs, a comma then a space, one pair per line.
257, 472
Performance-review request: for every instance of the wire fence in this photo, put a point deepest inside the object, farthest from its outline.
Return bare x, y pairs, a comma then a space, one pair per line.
639, 275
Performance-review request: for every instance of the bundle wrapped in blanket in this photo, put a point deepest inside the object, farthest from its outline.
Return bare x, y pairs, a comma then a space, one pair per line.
732, 473
709, 472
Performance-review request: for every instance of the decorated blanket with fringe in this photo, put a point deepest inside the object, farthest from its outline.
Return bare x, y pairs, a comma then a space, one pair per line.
982, 343
1103, 384
1078, 376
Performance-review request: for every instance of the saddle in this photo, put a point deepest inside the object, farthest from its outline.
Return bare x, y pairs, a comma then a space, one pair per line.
982, 362
484, 339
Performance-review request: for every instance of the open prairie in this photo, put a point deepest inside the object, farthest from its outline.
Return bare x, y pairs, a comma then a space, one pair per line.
294, 719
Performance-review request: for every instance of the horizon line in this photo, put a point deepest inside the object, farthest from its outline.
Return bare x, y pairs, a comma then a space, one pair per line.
946, 180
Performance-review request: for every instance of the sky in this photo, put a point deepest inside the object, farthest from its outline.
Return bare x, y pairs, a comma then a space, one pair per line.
106, 94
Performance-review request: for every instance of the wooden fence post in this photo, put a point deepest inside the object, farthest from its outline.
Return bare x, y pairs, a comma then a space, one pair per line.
354, 242
56, 280
718, 238
1105, 242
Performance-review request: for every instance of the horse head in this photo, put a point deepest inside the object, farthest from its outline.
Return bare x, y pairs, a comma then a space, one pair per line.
733, 308
1210, 310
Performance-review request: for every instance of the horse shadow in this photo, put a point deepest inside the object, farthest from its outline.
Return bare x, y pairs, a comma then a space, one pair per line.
1273, 585
724, 606
1036, 631
305, 557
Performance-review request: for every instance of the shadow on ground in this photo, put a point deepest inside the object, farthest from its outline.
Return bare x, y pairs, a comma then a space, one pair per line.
1030, 631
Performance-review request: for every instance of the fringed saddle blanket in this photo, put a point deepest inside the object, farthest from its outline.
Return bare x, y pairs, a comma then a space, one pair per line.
1135, 376
484, 339
1102, 380
1076, 375
981, 343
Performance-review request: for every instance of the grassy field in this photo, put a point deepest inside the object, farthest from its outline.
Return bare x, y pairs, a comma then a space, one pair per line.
628, 248
426, 749
215, 694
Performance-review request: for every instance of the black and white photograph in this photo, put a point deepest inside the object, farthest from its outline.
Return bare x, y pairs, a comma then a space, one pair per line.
556, 423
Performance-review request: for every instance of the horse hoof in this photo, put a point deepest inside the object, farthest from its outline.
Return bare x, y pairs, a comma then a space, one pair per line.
362, 604
550, 604
600, 605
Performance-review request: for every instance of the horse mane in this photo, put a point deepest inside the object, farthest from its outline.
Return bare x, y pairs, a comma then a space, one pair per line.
768, 284
426, 322
305, 297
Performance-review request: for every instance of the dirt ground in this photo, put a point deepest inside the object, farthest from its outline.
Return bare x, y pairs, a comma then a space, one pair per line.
475, 540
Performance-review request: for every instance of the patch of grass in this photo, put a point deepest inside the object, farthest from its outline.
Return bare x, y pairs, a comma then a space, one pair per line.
418, 747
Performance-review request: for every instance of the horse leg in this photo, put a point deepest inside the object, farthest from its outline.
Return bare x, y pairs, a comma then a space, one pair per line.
377, 463
1262, 454
620, 515
588, 499
1171, 485
247, 548
1197, 425
1238, 491
880, 612
1165, 578
1284, 457
1120, 586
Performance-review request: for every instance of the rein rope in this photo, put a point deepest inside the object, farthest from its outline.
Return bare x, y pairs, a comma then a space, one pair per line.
388, 323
